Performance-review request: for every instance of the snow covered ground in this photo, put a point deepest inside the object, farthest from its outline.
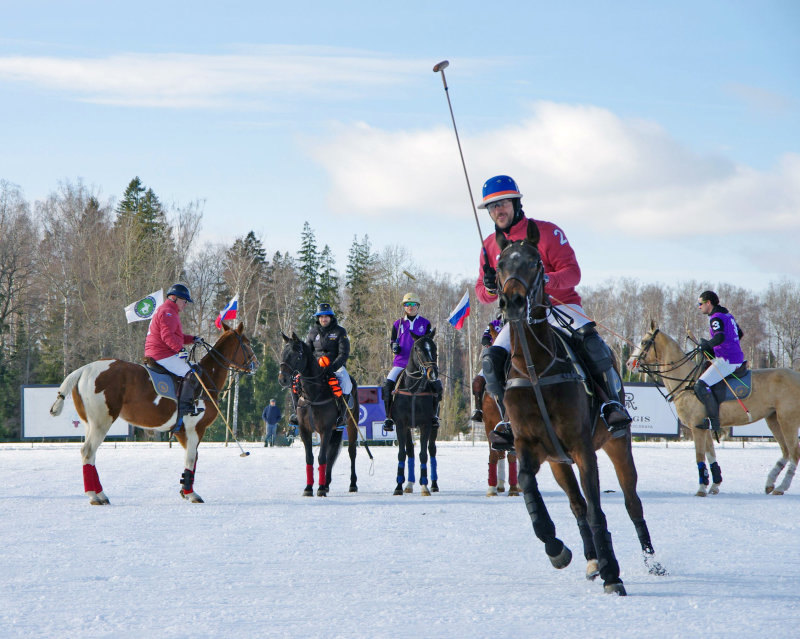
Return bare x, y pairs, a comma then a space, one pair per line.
259, 560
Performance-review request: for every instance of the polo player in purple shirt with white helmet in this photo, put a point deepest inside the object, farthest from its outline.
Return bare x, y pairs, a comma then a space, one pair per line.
728, 355
402, 340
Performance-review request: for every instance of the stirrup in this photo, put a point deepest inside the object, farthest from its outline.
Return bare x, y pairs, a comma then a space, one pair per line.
709, 423
388, 424
502, 437
477, 415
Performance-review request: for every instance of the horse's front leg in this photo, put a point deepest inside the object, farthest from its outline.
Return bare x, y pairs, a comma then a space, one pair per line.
566, 479
586, 461
424, 436
409, 444
702, 443
190, 465
543, 526
434, 466
400, 429
305, 436
322, 459
621, 456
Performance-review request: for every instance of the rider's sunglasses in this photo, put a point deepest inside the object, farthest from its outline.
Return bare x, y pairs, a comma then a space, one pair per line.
496, 205
700, 303
407, 304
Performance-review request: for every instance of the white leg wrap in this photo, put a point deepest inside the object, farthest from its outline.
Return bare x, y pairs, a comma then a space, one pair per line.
776, 470
501, 469
787, 478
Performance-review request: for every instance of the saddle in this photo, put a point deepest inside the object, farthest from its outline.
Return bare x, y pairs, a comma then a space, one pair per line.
165, 383
740, 381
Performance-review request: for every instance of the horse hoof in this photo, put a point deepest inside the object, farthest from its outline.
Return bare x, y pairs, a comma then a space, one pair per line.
353, 488
777, 492
701, 492
654, 567
592, 569
409, 488
769, 489
615, 589
501, 487
192, 497
97, 499
434, 487
322, 491
562, 559
425, 492
491, 491
513, 490
714, 490
308, 492
398, 490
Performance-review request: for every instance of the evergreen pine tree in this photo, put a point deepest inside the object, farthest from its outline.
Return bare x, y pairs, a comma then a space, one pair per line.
309, 277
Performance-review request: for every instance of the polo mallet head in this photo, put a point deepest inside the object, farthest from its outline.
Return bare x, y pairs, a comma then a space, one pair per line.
441, 66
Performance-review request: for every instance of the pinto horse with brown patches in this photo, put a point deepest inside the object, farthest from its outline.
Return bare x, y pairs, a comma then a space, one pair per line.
318, 411
552, 418
110, 388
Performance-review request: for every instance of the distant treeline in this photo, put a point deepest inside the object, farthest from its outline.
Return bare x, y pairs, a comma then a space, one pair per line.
71, 263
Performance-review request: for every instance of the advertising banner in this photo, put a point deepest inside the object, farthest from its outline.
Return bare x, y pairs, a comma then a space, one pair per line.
652, 414
38, 423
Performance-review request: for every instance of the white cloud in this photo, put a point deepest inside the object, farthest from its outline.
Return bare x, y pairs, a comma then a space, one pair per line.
201, 81
574, 164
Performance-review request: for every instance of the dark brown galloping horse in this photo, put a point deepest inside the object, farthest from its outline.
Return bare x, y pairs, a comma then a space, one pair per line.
317, 411
553, 420
110, 388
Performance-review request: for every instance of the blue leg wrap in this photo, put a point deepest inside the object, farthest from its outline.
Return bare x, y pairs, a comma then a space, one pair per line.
400, 469
411, 475
423, 474
703, 472
434, 474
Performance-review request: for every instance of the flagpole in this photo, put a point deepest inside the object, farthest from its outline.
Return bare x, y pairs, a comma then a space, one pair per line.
471, 398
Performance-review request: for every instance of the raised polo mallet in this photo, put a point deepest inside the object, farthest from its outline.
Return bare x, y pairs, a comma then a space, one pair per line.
439, 68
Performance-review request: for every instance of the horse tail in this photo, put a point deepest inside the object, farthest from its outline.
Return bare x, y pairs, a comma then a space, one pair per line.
66, 387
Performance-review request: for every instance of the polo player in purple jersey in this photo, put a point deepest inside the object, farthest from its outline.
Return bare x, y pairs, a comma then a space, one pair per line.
728, 355
401, 342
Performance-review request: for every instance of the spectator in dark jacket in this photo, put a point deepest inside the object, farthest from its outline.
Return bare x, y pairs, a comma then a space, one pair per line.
271, 417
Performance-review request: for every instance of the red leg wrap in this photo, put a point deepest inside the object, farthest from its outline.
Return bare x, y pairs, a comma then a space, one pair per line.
309, 474
90, 479
512, 473
492, 474
322, 469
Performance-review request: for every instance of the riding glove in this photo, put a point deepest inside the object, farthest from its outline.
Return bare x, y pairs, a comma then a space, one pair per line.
490, 279
395, 348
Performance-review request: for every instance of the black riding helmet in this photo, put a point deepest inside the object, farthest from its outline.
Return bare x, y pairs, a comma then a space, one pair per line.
179, 290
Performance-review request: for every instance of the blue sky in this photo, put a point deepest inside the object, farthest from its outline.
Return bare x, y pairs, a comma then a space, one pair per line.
663, 137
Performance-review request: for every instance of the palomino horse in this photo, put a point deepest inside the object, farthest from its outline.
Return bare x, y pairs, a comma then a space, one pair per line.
775, 397
110, 388
317, 411
413, 407
553, 420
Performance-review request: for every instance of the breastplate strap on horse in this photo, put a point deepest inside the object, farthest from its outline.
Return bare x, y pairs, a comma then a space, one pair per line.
536, 383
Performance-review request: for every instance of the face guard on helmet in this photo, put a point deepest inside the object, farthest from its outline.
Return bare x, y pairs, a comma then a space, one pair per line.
181, 291
500, 187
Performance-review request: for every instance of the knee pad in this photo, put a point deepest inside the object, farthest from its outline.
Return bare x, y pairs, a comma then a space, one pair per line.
595, 351
701, 390
494, 369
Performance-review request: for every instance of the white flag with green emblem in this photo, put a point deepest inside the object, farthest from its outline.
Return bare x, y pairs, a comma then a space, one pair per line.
145, 307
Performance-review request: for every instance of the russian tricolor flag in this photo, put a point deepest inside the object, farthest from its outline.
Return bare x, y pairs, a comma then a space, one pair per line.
228, 313
460, 313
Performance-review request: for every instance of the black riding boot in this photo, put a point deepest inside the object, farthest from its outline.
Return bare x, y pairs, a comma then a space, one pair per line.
705, 394
293, 417
388, 387
600, 361
494, 371
478, 388
436, 387
186, 400
344, 402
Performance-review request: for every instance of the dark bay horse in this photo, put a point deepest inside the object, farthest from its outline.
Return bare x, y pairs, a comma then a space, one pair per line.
317, 411
110, 388
553, 420
413, 406
774, 397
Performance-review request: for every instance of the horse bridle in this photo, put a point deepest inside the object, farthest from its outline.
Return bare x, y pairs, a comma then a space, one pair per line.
251, 361
294, 371
428, 367
684, 383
